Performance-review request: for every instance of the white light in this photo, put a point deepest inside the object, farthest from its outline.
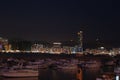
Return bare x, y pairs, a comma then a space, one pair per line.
117, 78
101, 47
57, 43
17, 50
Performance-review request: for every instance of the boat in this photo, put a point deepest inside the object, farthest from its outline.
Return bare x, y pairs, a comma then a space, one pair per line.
117, 70
106, 76
92, 64
20, 73
67, 66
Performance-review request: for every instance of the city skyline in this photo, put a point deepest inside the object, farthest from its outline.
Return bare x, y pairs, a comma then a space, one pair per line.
59, 20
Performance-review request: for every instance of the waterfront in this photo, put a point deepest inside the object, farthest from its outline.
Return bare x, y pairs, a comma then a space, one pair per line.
58, 74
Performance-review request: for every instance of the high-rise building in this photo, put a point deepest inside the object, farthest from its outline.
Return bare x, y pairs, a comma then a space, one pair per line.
80, 42
80, 38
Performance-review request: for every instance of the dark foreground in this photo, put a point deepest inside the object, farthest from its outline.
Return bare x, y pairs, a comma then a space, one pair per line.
57, 74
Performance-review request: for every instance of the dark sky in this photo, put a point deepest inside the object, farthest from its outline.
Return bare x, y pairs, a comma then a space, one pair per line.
57, 20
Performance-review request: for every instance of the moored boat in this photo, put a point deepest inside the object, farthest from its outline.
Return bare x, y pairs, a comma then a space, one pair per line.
20, 73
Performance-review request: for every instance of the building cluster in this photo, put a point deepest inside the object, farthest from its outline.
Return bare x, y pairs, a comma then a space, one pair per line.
55, 48
58, 49
102, 50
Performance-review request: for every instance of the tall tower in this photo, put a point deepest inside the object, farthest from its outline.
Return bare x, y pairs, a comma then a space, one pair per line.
80, 41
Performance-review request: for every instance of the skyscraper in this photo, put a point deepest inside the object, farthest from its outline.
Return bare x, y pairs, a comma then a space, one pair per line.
80, 39
80, 42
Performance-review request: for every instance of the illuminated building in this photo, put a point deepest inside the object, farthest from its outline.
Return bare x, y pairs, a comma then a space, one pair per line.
7, 47
80, 39
80, 42
3, 43
56, 49
57, 45
66, 49
37, 48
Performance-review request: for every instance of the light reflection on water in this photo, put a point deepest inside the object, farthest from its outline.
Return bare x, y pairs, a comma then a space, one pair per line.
50, 74
91, 74
57, 75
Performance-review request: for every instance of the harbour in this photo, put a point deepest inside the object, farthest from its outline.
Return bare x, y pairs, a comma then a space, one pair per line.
58, 75
60, 67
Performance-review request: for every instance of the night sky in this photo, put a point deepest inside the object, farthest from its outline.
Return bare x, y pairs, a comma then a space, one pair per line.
59, 20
